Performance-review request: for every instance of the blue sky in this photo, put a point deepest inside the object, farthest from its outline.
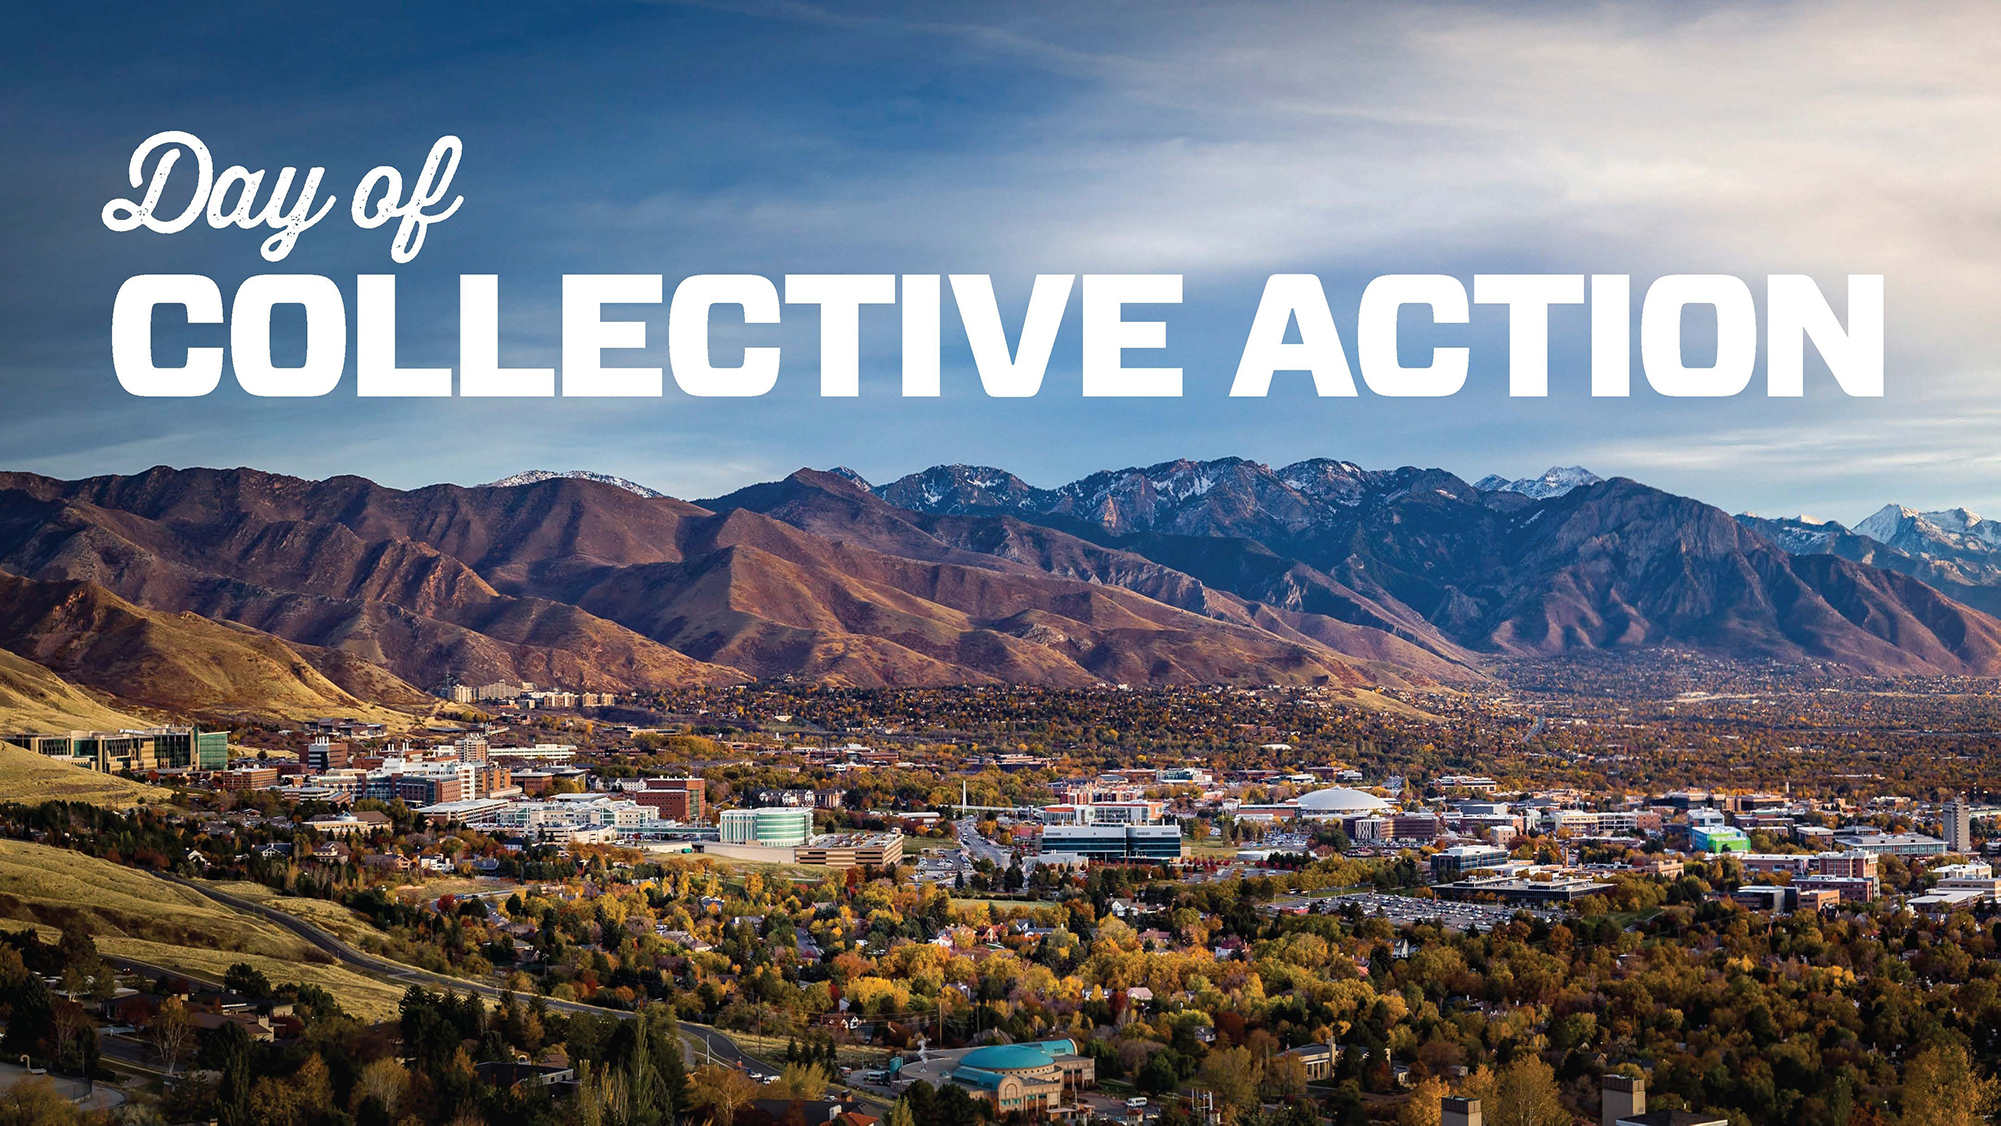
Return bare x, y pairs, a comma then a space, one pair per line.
1224, 143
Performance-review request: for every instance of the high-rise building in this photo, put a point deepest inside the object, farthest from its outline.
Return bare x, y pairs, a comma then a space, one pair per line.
1958, 825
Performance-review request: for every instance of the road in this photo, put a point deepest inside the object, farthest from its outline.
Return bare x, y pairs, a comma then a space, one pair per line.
979, 846
708, 1043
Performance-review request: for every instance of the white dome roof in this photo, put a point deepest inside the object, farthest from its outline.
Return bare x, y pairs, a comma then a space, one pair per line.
1340, 799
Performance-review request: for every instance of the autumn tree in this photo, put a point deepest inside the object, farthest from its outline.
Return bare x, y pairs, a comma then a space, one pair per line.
806, 1081
1421, 1109
721, 1091
1233, 1074
1524, 1093
1942, 1088
172, 1032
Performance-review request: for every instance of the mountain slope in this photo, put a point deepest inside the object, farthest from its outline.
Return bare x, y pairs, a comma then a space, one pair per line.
1588, 565
32, 698
24, 773
182, 663
577, 582
1555, 481
1300, 606
1959, 569
343, 566
537, 476
316, 593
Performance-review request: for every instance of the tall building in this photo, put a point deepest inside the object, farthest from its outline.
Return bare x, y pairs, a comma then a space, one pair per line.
1958, 825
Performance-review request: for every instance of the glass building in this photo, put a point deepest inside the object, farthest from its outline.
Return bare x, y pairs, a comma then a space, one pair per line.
772, 826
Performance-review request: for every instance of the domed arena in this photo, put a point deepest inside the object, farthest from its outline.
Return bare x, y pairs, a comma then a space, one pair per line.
1340, 801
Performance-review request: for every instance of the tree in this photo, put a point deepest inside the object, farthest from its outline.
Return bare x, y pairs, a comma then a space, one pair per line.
632, 1054
381, 1085
1421, 1109
1941, 1088
1157, 1074
1233, 1074
1524, 1093
248, 980
36, 1102
721, 1091
1285, 1079
805, 1081
171, 1032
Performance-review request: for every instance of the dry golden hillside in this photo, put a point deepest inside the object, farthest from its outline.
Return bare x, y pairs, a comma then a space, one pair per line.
135, 915
32, 698
176, 662
28, 777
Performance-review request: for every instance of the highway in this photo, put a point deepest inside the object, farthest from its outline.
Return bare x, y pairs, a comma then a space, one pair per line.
707, 1042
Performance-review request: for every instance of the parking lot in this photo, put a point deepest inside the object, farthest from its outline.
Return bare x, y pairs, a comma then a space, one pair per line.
1402, 910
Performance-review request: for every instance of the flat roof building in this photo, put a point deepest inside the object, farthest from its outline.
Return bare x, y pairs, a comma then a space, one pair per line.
770, 827
1156, 843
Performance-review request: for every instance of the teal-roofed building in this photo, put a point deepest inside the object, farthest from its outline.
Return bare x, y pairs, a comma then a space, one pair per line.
1028, 1078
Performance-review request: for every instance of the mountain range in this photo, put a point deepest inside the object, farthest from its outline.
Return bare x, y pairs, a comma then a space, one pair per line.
249, 594
1953, 551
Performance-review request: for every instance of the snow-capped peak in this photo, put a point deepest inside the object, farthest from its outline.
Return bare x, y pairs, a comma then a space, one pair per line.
537, 476
1954, 527
1554, 482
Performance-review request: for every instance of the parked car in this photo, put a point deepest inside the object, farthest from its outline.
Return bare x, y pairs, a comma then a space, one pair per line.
1137, 1102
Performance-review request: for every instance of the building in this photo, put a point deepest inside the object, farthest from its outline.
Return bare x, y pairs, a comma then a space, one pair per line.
770, 827
347, 727
1451, 863
1340, 801
246, 778
1775, 863
1114, 843
1105, 813
114, 752
852, 850
1784, 899
190, 747
1718, 838
1851, 889
1623, 1102
1889, 844
1847, 865
1027, 1079
1960, 885
1599, 823
675, 799
579, 818
324, 755
1958, 818
1317, 1059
